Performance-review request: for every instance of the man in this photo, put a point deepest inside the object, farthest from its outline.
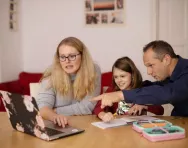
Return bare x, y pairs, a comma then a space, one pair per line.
171, 73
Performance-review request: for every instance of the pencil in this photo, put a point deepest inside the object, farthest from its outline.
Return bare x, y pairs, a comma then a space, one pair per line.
115, 114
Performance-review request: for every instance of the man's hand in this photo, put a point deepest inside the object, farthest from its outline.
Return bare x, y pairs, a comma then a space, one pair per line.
137, 109
107, 99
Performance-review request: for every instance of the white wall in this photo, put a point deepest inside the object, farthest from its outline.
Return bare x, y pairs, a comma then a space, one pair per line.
174, 30
10, 46
0, 63
45, 23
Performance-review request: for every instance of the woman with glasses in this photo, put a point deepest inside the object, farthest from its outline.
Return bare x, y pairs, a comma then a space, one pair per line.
69, 83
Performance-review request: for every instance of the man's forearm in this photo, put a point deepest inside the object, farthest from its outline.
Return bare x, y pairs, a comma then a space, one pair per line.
120, 95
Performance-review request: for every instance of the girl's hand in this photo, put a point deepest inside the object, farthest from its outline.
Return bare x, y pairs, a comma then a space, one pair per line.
107, 117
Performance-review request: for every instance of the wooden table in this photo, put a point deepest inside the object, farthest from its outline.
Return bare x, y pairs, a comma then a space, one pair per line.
93, 137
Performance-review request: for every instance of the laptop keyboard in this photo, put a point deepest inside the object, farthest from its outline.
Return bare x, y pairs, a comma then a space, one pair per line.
52, 132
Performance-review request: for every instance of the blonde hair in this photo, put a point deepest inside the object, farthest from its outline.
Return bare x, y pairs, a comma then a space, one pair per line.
85, 79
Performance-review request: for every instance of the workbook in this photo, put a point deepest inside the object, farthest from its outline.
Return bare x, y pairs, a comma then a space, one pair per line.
122, 121
113, 123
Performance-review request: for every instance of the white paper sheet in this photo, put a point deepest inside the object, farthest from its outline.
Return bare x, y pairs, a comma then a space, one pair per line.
114, 123
121, 121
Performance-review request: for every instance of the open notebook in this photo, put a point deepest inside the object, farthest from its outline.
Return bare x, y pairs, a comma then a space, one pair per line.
121, 121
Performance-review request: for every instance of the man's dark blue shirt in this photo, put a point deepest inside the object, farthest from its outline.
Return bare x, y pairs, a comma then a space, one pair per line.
173, 90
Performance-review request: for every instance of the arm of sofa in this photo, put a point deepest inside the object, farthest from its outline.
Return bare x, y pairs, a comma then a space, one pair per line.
13, 86
2, 108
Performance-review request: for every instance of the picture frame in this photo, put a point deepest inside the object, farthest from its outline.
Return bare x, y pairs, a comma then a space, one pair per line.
13, 25
104, 12
13, 15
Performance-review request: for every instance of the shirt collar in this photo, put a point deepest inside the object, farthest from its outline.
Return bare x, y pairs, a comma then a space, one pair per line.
178, 68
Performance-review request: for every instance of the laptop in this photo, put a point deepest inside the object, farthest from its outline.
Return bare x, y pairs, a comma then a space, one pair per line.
24, 116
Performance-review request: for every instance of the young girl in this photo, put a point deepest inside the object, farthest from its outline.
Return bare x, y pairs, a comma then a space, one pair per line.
69, 83
125, 76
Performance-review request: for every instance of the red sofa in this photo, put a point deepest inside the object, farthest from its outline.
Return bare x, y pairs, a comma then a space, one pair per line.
21, 85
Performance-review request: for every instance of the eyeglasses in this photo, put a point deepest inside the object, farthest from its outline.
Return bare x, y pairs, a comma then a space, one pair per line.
71, 57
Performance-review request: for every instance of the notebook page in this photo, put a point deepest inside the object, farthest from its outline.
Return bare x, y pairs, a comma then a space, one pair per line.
113, 123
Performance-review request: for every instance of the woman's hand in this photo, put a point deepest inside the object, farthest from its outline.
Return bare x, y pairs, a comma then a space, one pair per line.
50, 114
60, 120
137, 109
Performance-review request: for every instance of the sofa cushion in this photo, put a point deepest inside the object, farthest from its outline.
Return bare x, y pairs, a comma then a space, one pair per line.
3, 86
34, 89
25, 78
106, 80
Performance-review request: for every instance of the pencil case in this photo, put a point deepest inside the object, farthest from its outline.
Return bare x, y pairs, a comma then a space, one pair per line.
123, 108
163, 133
139, 126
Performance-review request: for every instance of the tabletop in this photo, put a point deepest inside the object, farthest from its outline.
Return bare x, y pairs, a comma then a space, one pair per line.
93, 137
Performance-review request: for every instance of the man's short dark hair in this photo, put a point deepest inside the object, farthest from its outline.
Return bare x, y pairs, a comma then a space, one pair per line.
160, 48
